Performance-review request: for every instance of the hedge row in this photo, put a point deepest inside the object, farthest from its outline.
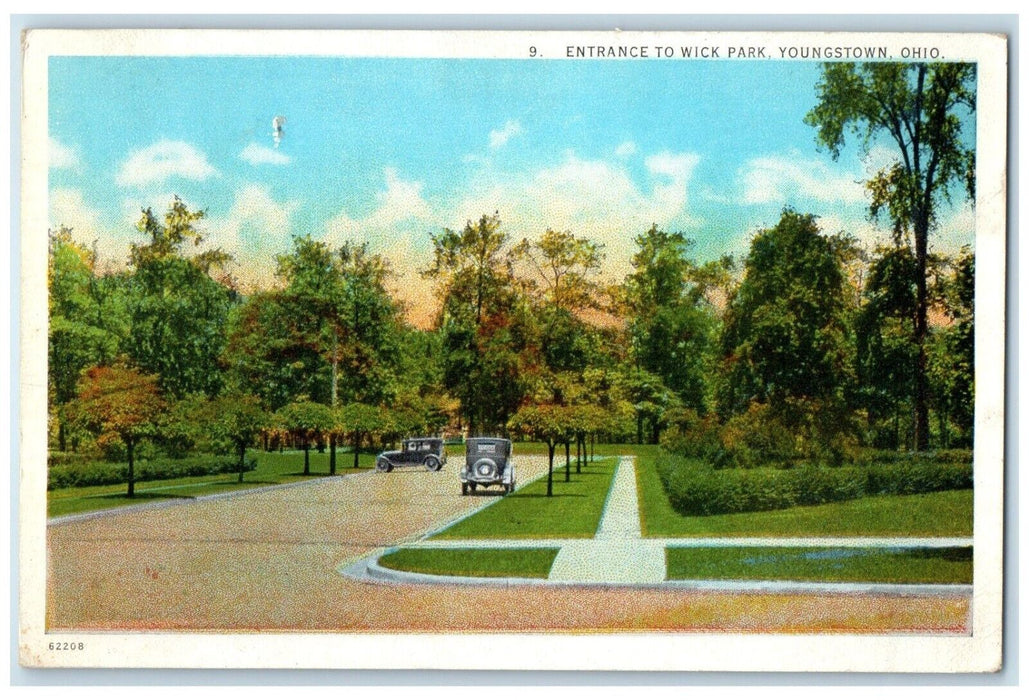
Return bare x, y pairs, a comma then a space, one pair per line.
107, 473
694, 488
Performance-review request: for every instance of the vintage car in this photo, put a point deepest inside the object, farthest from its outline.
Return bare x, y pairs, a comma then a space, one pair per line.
488, 462
427, 452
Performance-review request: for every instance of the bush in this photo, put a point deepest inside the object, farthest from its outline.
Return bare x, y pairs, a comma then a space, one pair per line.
695, 488
77, 473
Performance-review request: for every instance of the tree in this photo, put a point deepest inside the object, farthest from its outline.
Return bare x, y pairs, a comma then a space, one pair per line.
178, 313
119, 401
307, 420
358, 419
82, 331
786, 338
673, 324
480, 321
339, 315
920, 108
238, 419
267, 354
548, 423
885, 344
952, 354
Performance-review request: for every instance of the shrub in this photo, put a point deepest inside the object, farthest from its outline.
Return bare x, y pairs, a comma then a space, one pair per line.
107, 473
695, 488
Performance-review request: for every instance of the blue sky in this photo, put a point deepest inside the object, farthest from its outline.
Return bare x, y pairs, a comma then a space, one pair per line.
389, 150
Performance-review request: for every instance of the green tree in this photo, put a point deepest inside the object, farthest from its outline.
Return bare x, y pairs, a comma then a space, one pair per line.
238, 419
119, 401
952, 355
360, 420
308, 421
267, 354
786, 339
921, 109
885, 344
548, 423
672, 321
481, 324
81, 332
177, 311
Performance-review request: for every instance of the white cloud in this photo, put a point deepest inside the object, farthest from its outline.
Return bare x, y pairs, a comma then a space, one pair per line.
255, 228
593, 198
163, 160
68, 208
62, 156
780, 179
399, 208
499, 137
256, 154
625, 149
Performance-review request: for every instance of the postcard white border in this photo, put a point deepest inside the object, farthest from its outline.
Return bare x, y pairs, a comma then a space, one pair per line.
981, 651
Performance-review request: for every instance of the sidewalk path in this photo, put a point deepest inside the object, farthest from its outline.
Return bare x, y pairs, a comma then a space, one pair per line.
618, 553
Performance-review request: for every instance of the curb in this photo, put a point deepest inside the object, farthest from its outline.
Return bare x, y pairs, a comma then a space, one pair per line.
368, 570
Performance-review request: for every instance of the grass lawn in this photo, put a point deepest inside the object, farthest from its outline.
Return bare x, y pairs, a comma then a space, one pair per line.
573, 511
520, 563
272, 468
835, 565
941, 514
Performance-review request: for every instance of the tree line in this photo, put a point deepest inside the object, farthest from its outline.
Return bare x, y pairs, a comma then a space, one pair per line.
807, 344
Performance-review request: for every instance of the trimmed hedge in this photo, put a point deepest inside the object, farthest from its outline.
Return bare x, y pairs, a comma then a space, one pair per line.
106, 473
694, 488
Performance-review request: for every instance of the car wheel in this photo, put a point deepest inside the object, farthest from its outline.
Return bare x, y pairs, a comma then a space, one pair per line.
472, 487
464, 489
383, 465
432, 464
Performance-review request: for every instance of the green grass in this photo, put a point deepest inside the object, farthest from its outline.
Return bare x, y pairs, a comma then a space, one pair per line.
941, 514
520, 563
831, 565
272, 468
573, 511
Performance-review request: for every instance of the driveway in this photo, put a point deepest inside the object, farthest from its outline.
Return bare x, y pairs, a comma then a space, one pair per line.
268, 560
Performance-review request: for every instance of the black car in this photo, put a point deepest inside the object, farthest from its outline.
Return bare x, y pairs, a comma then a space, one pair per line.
488, 462
427, 452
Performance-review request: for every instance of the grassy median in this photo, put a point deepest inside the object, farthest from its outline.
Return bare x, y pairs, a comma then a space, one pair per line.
501, 563
944, 565
573, 511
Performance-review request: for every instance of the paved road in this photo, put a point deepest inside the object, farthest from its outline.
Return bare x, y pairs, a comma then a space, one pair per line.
269, 561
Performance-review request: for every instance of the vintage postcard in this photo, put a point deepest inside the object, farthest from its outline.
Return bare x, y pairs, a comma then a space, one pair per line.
512, 350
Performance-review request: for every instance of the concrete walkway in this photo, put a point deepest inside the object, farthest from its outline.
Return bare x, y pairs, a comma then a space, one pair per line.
618, 553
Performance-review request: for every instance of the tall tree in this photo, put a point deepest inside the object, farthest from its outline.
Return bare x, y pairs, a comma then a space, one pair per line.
673, 322
83, 329
786, 333
178, 312
479, 321
921, 109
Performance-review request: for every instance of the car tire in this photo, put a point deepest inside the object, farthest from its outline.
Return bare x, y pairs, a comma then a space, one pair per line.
383, 465
433, 464
464, 489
